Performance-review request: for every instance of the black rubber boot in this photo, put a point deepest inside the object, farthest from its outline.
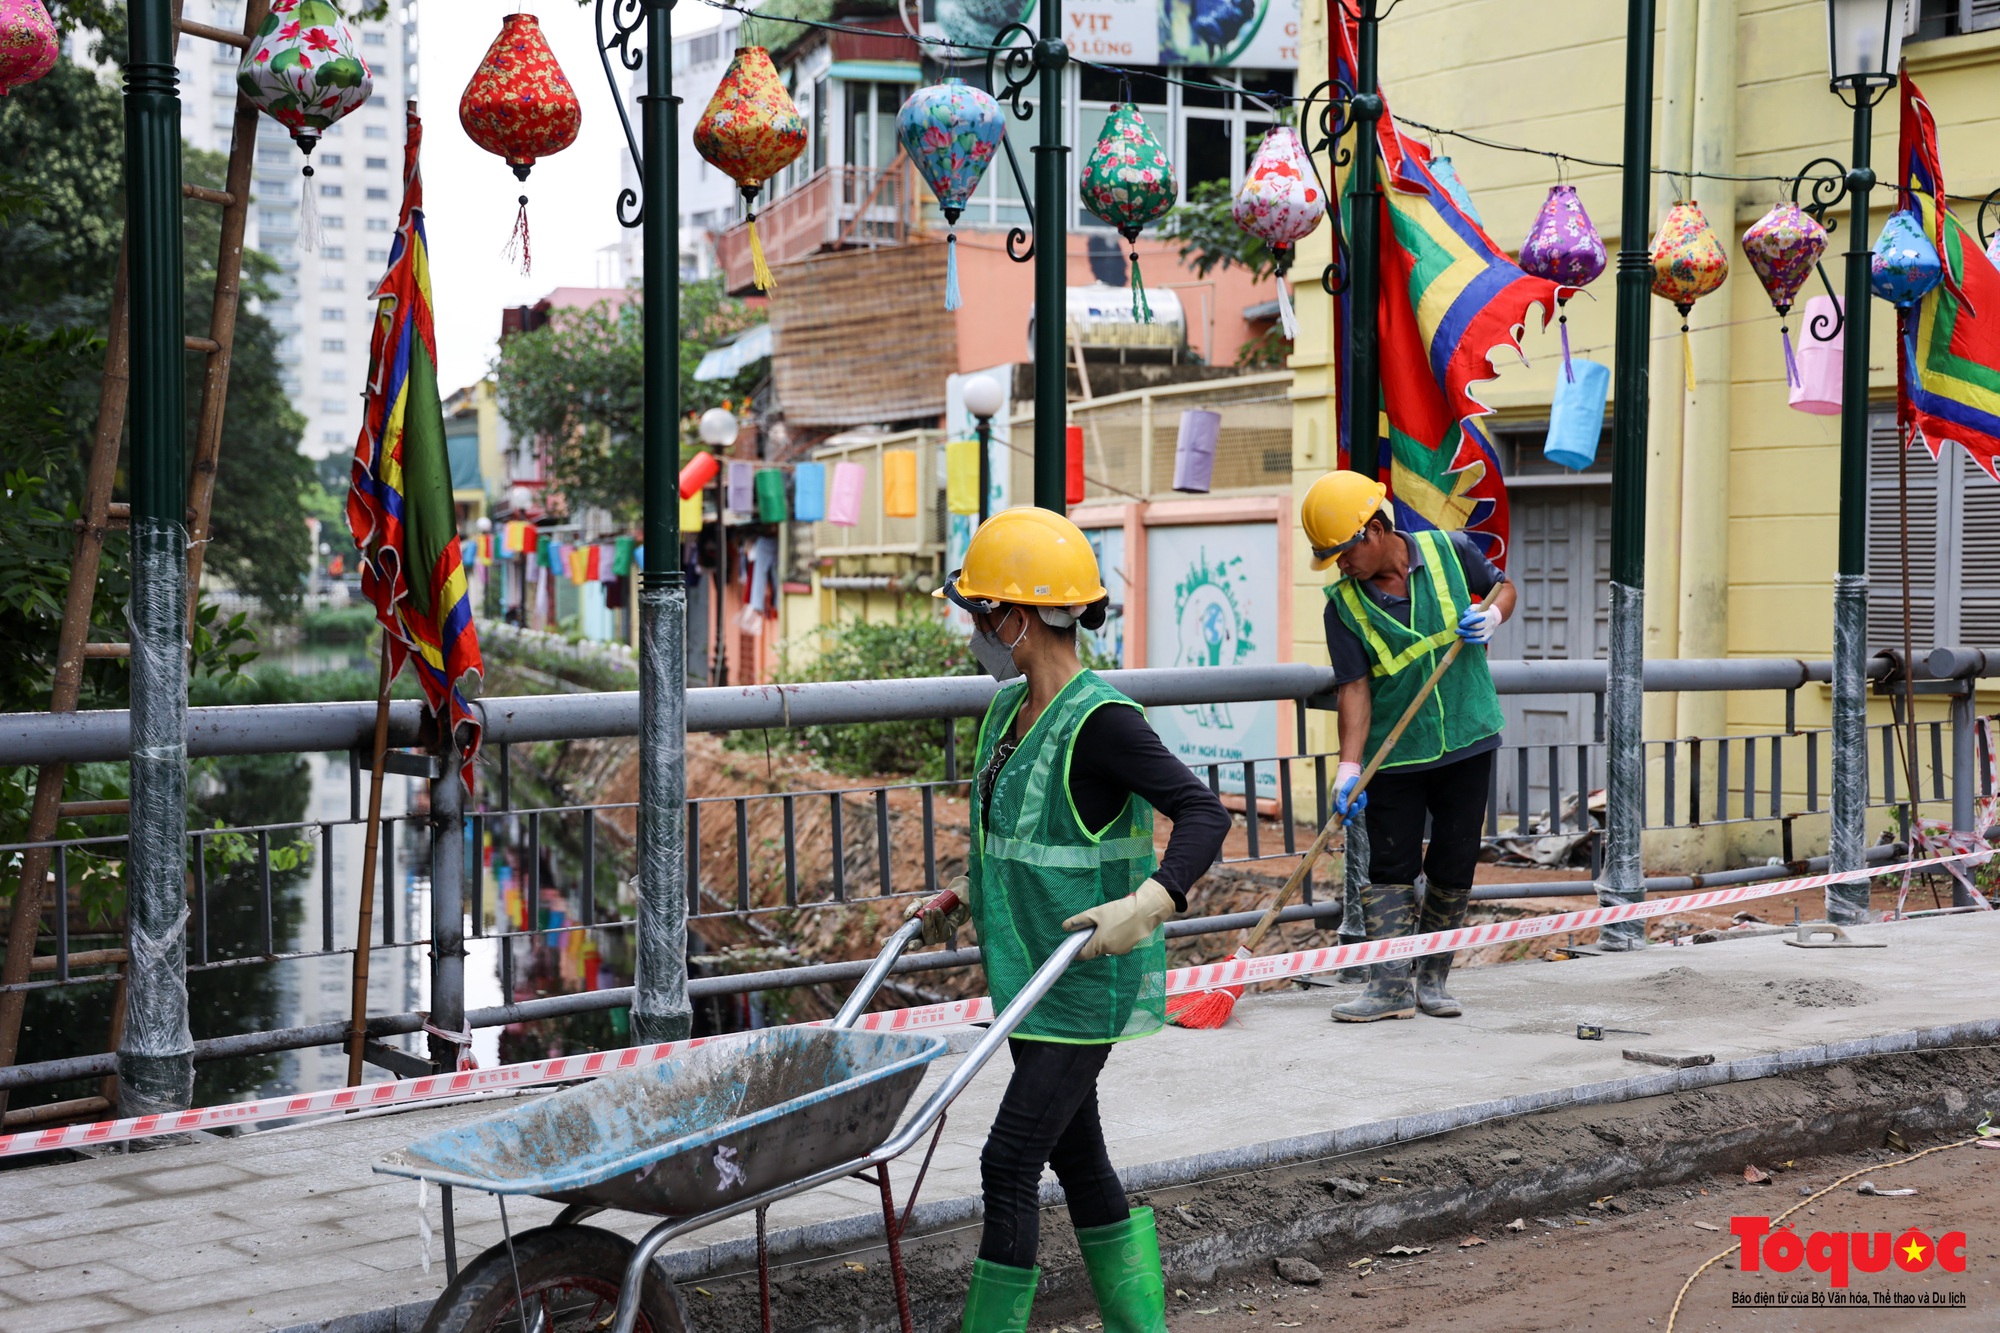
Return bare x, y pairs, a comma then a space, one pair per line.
1388, 910
1431, 996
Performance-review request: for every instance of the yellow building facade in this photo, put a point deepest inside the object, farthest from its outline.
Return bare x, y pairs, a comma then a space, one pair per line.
1742, 490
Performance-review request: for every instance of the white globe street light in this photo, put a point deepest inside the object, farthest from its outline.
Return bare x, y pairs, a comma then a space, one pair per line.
719, 428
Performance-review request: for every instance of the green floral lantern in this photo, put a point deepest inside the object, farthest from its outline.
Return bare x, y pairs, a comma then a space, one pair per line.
304, 70
1128, 182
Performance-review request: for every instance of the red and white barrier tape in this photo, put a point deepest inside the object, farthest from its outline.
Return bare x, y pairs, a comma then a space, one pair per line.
1211, 976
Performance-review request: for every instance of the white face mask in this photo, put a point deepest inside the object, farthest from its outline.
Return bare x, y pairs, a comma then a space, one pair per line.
995, 653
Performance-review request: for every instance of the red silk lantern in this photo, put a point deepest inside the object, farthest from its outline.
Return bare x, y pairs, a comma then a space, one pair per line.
750, 132
700, 471
520, 106
28, 47
1073, 469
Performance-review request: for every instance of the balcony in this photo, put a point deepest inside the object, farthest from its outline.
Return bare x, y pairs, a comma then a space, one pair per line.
838, 208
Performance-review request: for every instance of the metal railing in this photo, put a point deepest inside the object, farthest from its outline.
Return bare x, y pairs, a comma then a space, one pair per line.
756, 855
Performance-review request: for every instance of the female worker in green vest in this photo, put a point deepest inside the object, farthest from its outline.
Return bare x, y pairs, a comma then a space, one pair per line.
1402, 599
1069, 775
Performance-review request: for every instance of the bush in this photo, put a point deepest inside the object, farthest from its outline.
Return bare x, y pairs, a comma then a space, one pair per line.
916, 644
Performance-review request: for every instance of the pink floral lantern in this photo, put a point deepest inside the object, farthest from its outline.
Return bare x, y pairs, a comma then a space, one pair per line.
28, 46
1280, 203
1782, 247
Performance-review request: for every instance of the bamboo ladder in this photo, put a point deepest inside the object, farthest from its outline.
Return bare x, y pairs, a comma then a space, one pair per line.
101, 515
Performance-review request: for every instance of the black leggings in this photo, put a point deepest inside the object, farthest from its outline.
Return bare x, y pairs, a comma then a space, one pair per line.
1048, 1116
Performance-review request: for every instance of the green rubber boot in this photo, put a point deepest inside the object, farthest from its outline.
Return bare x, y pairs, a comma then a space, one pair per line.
999, 1298
1124, 1264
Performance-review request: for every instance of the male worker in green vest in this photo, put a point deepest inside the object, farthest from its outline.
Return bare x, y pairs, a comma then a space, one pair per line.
1402, 599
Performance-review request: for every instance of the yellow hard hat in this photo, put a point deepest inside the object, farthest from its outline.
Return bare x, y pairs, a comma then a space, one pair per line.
1335, 511
1027, 556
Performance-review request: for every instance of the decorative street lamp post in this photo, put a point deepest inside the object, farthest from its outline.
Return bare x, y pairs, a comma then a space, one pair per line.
1864, 45
983, 398
660, 1008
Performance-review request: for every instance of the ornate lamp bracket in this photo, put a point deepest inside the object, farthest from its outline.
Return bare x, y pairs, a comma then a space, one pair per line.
1828, 189
626, 18
1010, 71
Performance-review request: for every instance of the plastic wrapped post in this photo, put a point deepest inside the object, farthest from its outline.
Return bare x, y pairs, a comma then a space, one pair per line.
1624, 878
660, 1007
156, 1053
1847, 904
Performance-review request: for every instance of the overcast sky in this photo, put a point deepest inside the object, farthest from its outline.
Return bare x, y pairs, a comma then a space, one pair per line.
470, 194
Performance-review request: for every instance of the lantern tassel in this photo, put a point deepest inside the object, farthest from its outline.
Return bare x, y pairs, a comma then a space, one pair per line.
1142, 309
952, 300
518, 238
1569, 371
308, 214
759, 269
1288, 319
1791, 361
1687, 356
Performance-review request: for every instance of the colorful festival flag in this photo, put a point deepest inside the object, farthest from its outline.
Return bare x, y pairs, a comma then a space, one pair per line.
1450, 297
1949, 374
399, 507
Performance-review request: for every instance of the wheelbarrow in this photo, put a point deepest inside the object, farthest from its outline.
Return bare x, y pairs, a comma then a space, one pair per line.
730, 1128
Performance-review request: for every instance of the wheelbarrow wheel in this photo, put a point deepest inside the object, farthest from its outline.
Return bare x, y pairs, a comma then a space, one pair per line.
569, 1280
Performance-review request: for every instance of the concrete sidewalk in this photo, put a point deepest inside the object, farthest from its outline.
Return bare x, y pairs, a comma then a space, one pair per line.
291, 1229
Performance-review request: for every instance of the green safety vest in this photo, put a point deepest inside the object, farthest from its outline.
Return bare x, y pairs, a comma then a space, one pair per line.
1464, 708
1035, 865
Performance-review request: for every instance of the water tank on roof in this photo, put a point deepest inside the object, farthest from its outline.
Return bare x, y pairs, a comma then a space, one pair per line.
1101, 319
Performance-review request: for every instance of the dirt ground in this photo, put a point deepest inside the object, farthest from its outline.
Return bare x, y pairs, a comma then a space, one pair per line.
1619, 1263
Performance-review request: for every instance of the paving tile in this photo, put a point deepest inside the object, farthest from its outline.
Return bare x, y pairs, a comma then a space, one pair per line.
251, 1283
209, 1177
71, 1316
55, 1284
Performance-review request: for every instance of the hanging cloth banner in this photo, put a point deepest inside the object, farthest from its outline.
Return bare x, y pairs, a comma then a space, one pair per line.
809, 492
741, 486
770, 492
1449, 297
621, 557
849, 481
961, 476
1951, 348
899, 483
1073, 479
1194, 450
691, 515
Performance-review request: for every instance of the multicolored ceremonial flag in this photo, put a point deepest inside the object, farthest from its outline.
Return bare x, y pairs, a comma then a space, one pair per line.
1450, 298
1949, 380
399, 506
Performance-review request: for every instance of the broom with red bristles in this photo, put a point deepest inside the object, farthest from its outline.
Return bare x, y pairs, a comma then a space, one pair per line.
1211, 1008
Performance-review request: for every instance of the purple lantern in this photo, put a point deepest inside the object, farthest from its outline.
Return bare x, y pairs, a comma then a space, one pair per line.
1565, 248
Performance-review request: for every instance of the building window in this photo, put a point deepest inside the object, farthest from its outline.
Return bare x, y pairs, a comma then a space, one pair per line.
375, 193
378, 224
377, 163
332, 282
334, 131
329, 190
378, 256
333, 437
333, 252
332, 314
334, 407
1953, 543
330, 159
375, 132
333, 374
374, 39
333, 222
333, 344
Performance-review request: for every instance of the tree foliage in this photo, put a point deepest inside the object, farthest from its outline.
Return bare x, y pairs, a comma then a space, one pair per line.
577, 384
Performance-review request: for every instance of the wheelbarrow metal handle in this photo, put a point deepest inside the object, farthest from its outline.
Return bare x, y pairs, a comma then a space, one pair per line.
878, 972
1004, 1023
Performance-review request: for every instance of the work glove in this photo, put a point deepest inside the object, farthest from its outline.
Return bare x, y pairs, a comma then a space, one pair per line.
1125, 923
1477, 626
943, 913
1345, 799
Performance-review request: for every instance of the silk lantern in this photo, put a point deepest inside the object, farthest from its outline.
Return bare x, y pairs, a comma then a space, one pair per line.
699, 471
304, 71
691, 515
809, 492
950, 131
770, 488
1904, 266
520, 106
1688, 264
1821, 363
1073, 478
899, 483
740, 488
1194, 450
1280, 203
1565, 248
1128, 182
750, 132
961, 476
1445, 173
28, 45
1576, 417
1782, 247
